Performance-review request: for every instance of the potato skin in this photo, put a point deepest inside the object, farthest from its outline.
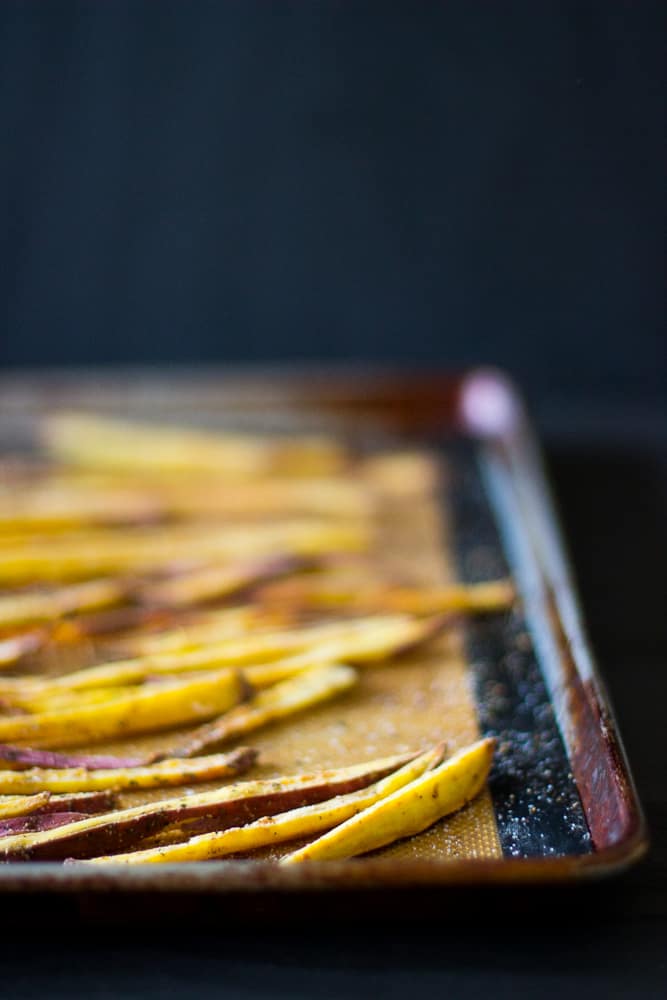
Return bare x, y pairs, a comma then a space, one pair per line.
285, 826
232, 805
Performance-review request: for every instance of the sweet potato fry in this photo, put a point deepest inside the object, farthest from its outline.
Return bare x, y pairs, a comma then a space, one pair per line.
348, 590
107, 622
235, 804
51, 506
21, 805
324, 497
43, 802
102, 443
475, 598
214, 626
402, 473
94, 553
27, 608
15, 647
157, 707
378, 642
57, 500
285, 826
80, 802
214, 582
408, 811
21, 758
38, 822
60, 700
158, 775
357, 640
287, 698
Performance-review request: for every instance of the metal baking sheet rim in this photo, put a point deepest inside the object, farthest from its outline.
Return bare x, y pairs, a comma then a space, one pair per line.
485, 405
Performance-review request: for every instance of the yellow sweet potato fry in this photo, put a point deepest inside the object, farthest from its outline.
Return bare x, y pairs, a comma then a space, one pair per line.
157, 707
373, 643
474, 598
50, 506
26, 608
58, 700
158, 775
339, 498
294, 695
212, 627
407, 811
102, 443
349, 590
402, 473
285, 826
215, 582
22, 804
232, 805
98, 552
375, 637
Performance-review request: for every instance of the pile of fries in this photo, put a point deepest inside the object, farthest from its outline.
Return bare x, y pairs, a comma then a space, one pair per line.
208, 584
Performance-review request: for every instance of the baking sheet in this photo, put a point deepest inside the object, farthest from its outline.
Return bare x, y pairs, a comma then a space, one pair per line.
488, 677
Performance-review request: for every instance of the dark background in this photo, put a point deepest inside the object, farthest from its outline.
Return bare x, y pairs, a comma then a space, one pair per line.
422, 183
450, 182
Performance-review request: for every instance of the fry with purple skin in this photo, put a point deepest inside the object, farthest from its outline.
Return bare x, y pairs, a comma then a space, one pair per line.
17, 758
163, 773
284, 826
233, 805
37, 822
81, 802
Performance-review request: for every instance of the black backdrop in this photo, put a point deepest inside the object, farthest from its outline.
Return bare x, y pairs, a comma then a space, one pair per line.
454, 182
